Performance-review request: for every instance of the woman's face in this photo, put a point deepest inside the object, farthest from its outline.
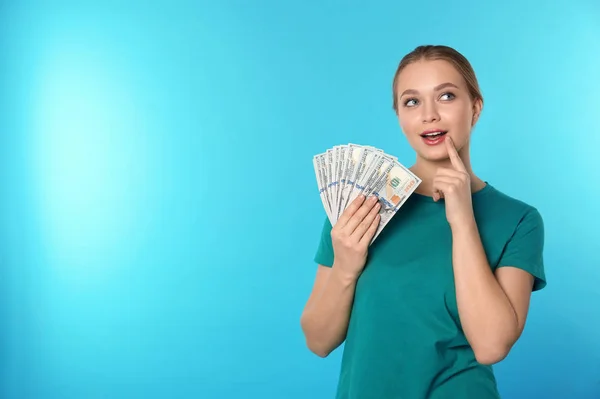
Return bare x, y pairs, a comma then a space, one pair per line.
434, 101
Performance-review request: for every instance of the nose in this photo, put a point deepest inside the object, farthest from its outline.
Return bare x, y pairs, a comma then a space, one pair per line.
430, 113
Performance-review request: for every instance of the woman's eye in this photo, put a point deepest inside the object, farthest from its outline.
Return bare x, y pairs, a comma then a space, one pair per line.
411, 102
448, 96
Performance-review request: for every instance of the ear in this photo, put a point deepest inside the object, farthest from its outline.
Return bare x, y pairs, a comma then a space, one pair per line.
477, 108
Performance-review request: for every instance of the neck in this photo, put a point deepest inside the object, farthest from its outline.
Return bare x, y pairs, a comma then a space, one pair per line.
426, 170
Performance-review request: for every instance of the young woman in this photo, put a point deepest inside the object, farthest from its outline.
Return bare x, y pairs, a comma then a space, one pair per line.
444, 291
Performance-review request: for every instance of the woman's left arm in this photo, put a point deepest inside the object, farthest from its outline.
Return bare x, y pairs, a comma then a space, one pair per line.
492, 307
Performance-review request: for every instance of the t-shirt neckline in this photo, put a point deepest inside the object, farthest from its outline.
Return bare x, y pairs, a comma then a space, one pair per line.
427, 198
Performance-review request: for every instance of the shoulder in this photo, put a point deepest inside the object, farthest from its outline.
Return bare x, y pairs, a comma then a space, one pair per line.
512, 210
521, 229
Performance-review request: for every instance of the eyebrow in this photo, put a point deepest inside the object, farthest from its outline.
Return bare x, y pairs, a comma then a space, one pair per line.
436, 88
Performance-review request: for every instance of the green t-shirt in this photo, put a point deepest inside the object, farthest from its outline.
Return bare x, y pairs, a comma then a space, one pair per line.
404, 336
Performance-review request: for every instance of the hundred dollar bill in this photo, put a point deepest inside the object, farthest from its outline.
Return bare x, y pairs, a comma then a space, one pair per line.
329, 174
339, 160
369, 158
334, 168
378, 175
321, 183
373, 172
322, 158
352, 155
360, 157
393, 188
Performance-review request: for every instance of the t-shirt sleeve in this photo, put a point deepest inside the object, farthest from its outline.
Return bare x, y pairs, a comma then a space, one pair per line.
324, 255
525, 248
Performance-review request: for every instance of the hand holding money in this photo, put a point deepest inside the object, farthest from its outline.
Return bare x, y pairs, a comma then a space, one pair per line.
352, 235
346, 172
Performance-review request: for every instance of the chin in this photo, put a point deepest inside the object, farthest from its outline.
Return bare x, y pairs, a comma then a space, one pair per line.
433, 154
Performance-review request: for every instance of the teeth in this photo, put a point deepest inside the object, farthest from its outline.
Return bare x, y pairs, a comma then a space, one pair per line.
433, 134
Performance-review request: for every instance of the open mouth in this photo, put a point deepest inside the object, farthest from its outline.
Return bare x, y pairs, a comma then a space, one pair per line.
434, 137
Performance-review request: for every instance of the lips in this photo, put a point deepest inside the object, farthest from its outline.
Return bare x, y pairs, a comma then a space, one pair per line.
433, 137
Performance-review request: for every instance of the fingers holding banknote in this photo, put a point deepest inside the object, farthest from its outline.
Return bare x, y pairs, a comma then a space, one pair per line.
356, 213
353, 232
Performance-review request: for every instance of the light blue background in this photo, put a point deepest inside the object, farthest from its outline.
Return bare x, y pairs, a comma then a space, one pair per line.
159, 211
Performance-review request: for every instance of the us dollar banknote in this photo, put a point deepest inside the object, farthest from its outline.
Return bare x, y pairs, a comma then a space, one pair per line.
346, 171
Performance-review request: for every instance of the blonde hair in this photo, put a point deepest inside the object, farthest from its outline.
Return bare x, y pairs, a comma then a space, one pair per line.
439, 52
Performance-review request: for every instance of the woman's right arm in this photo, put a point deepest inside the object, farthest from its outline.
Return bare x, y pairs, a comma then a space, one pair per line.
325, 317
327, 312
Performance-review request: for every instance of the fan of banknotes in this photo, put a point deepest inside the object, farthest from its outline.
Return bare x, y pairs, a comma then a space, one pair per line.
346, 171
